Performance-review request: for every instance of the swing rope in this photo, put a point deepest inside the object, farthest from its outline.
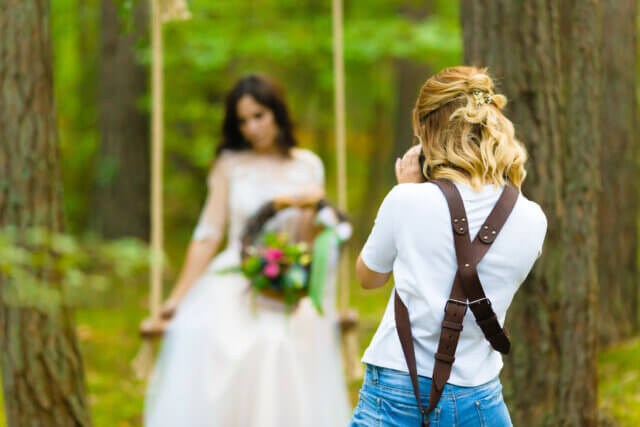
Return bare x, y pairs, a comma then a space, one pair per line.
161, 11
349, 318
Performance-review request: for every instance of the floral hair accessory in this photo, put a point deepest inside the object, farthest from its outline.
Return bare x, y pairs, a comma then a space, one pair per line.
481, 97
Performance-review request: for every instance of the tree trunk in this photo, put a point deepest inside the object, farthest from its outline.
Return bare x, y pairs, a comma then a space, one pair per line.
577, 390
543, 55
618, 216
42, 373
121, 205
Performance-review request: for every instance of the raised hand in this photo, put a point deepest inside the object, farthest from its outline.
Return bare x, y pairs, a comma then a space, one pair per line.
408, 168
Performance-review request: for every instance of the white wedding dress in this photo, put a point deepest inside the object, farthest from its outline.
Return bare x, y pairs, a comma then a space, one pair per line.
229, 360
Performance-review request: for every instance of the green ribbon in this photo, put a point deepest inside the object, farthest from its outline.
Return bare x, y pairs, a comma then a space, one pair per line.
324, 243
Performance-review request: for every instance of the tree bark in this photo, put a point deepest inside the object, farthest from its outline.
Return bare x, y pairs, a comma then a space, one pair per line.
121, 205
618, 208
544, 56
42, 372
578, 382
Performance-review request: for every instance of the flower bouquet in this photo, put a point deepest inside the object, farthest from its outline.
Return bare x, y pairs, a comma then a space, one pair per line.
279, 269
288, 271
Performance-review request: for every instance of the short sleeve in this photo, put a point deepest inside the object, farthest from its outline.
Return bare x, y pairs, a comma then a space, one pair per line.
543, 231
379, 252
214, 213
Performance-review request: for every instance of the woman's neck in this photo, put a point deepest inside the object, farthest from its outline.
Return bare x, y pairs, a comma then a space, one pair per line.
461, 178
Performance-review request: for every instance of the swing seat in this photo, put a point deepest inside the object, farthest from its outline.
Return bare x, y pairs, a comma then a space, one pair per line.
151, 328
348, 320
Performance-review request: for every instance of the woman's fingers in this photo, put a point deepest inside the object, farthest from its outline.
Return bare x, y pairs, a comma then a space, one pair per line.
416, 149
408, 168
410, 158
412, 155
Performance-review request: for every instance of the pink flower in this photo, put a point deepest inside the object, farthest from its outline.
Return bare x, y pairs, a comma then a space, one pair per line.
271, 270
273, 255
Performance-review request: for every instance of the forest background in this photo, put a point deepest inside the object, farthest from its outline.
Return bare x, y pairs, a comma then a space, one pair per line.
570, 71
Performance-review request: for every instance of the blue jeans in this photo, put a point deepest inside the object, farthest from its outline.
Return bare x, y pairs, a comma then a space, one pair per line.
387, 399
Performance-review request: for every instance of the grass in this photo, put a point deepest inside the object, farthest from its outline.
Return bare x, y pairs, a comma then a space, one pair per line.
619, 386
109, 341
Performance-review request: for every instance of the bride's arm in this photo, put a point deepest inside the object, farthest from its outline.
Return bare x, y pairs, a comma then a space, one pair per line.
206, 238
199, 254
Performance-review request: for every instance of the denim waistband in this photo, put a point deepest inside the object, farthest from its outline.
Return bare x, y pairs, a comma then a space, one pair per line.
401, 381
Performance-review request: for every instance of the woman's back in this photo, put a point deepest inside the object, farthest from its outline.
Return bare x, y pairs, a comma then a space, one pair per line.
466, 140
413, 237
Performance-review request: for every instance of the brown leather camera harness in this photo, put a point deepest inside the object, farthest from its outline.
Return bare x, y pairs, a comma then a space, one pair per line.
466, 293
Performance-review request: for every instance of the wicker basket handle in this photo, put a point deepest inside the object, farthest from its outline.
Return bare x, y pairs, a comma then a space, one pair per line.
309, 200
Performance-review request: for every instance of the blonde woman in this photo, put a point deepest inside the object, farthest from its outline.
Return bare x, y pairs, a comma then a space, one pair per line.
459, 245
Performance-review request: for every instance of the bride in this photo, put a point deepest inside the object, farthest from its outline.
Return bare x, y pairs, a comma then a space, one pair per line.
225, 361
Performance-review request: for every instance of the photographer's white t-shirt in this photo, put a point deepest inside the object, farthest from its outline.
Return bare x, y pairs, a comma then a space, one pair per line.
412, 236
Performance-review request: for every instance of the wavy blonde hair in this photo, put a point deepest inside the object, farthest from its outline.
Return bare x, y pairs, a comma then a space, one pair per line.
465, 140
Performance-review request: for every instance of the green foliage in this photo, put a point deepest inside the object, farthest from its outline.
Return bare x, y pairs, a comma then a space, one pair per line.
109, 341
288, 39
46, 270
75, 39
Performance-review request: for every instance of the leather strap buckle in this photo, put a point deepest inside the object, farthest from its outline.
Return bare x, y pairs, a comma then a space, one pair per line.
445, 358
455, 301
452, 325
480, 300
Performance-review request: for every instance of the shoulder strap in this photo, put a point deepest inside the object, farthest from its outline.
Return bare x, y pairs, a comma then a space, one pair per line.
466, 286
403, 327
469, 255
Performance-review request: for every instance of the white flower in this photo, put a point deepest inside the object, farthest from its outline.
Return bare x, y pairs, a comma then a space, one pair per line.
327, 217
344, 230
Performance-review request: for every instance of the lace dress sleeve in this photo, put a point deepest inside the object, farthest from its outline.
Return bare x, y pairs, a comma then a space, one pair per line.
213, 218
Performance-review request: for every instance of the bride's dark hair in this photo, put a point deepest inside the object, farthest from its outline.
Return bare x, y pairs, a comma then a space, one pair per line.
267, 93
